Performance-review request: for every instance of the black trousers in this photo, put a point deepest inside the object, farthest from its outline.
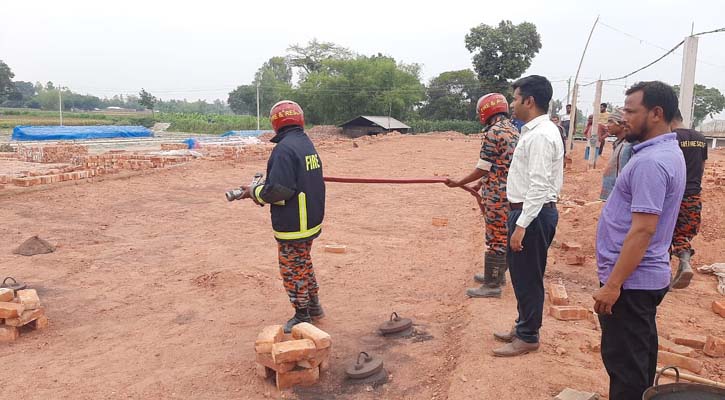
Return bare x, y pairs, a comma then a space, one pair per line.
629, 343
527, 269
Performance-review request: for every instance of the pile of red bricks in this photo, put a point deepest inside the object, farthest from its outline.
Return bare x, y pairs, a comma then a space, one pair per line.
18, 309
560, 308
56, 153
174, 146
297, 361
223, 152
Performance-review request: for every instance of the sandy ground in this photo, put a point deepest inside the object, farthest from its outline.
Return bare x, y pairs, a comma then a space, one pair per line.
159, 287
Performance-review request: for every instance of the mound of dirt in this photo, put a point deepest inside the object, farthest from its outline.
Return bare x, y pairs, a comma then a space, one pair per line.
33, 246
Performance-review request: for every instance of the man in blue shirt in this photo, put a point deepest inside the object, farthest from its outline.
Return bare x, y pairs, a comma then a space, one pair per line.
633, 240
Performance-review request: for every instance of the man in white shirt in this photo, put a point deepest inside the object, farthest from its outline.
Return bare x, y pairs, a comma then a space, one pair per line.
534, 182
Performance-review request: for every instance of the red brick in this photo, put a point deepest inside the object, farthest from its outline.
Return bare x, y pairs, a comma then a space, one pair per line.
293, 350
269, 336
25, 318
568, 313
306, 330
6, 294
335, 248
719, 307
298, 377
438, 221
22, 182
666, 358
28, 298
714, 346
575, 259
667, 345
11, 310
8, 333
695, 341
41, 323
266, 360
558, 295
262, 371
568, 246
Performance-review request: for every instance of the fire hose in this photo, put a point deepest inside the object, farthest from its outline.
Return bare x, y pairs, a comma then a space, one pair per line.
404, 181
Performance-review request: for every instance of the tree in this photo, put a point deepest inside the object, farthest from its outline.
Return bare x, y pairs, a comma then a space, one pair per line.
452, 95
242, 100
342, 89
7, 88
503, 53
276, 69
274, 78
309, 58
708, 102
147, 100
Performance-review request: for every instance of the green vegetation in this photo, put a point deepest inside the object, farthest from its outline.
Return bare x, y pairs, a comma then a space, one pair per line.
463, 126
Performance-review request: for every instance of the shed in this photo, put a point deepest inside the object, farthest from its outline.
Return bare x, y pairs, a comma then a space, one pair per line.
372, 125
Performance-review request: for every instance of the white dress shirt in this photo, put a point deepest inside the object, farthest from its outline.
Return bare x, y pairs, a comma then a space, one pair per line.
537, 168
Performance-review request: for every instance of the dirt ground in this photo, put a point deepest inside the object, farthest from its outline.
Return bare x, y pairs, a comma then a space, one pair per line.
159, 287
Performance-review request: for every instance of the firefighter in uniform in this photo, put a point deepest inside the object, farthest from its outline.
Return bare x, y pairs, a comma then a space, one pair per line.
295, 191
497, 149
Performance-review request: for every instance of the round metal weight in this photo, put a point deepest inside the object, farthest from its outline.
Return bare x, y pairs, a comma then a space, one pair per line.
375, 380
365, 365
15, 286
395, 324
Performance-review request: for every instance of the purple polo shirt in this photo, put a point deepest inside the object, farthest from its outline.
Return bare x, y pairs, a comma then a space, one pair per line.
652, 182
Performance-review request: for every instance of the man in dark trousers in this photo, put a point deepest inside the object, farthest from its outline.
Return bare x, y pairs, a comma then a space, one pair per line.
534, 181
295, 191
633, 240
694, 148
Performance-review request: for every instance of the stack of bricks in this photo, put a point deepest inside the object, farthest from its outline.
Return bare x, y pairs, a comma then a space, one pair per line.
18, 309
560, 308
174, 146
236, 152
574, 254
293, 362
56, 153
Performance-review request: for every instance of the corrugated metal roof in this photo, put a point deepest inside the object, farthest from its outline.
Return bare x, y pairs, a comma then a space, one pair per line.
382, 121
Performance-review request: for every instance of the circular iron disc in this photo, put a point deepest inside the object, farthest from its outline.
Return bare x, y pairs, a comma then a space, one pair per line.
368, 368
395, 325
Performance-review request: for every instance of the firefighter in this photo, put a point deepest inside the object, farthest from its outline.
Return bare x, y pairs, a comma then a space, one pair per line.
499, 139
295, 191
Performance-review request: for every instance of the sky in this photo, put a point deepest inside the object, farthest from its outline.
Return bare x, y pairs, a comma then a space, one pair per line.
203, 50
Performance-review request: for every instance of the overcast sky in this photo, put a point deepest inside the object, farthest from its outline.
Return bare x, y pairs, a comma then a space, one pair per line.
204, 49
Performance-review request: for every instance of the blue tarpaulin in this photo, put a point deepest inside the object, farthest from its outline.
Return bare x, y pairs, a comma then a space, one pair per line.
243, 133
26, 133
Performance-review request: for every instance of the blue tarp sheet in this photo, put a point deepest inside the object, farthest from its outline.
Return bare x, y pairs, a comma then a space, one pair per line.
26, 133
244, 133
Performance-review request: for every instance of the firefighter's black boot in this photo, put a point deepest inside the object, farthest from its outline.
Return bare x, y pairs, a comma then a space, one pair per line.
684, 273
315, 308
301, 315
494, 268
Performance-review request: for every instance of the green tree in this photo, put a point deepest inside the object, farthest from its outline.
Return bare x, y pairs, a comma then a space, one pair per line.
147, 100
343, 89
7, 88
274, 78
452, 95
275, 69
503, 53
310, 58
708, 102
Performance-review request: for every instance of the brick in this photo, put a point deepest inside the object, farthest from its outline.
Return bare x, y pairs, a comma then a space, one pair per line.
41, 323
335, 248
269, 336
11, 310
571, 394
695, 341
666, 345
667, 358
439, 221
22, 182
298, 377
262, 371
558, 295
266, 360
719, 308
25, 317
714, 346
306, 330
8, 333
568, 313
29, 298
321, 356
571, 246
575, 259
293, 351
6, 294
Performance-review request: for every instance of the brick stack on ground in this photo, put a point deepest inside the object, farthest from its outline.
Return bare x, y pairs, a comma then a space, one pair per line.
294, 362
560, 308
19, 309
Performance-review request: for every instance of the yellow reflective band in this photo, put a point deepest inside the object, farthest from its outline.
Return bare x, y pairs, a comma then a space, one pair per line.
257, 191
302, 197
297, 235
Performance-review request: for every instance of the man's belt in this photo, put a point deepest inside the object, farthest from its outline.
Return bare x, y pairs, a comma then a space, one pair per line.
518, 206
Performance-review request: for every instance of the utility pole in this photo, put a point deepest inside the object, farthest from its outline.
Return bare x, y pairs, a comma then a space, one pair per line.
687, 81
594, 138
568, 89
572, 117
60, 104
257, 105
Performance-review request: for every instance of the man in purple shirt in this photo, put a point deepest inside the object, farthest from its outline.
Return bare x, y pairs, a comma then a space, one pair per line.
633, 240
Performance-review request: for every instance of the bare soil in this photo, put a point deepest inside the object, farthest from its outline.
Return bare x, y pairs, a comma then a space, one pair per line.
159, 287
